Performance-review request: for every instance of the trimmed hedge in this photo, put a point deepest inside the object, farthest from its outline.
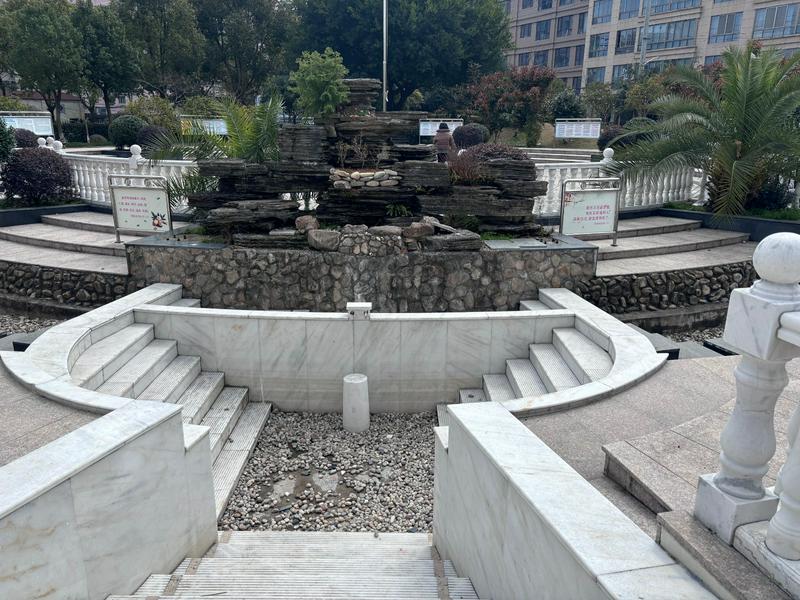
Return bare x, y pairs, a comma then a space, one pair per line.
36, 176
7, 142
25, 138
74, 132
124, 129
470, 135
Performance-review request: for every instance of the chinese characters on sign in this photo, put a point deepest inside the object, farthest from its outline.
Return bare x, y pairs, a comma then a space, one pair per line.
577, 129
141, 209
40, 125
427, 128
590, 210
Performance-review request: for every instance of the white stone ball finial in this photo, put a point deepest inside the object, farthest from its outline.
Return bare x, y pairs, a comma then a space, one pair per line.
136, 150
777, 258
41, 141
608, 155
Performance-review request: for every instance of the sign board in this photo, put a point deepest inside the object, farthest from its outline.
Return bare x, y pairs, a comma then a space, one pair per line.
428, 127
211, 125
140, 207
578, 128
590, 206
38, 123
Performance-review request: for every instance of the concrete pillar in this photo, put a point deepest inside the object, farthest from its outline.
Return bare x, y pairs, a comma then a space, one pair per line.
355, 406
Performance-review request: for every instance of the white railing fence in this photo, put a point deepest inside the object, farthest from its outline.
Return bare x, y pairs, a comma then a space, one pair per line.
638, 192
90, 171
764, 325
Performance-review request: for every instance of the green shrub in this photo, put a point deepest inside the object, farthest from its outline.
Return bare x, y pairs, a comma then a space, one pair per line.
7, 142
10, 104
98, 140
608, 133
155, 111
318, 83
565, 105
74, 132
35, 176
25, 138
486, 152
201, 106
774, 195
124, 129
470, 135
98, 129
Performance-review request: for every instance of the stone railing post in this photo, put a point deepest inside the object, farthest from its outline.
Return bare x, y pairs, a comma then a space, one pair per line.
736, 495
783, 532
135, 159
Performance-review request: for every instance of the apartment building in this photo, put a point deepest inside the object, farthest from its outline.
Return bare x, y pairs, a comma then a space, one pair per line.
693, 32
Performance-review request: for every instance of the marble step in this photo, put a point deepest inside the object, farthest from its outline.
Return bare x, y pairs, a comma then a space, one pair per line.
85, 220
588, 361
173, 381
138, 373
629, 228
233, 457
524, 379
334, 539
44, 235
200, 395
221, 418
106, 357
471, 395
62, 259
460, 588
442, 417
669, 243
240, 568
187, 303
552, 368
497, 388
533, 305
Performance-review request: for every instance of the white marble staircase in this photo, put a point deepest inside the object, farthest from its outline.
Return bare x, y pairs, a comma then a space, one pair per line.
133, 363
304, 565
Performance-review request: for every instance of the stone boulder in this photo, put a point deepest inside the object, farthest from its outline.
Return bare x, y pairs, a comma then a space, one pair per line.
417, 231
325, 240
306, 223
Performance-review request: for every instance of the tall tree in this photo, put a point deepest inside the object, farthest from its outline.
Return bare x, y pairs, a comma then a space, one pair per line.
431, 44
110, 59
245, 42
46, 50
167, 41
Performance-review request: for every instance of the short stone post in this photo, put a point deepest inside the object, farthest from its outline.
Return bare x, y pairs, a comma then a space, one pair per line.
355, 403
135, 158
735, 495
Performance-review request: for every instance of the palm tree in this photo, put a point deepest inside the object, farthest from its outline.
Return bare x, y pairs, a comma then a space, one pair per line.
740, 129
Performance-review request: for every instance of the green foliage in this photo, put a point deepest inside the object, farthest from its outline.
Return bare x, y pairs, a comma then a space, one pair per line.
783, 214
600, 101
35, 176
7, 142
155, 111
608, 134
493, 235
773, 194
7, 103
124, 130
74, 132
641, 94
45, 50
739, 130
432, 43
111, 65
397, 210
200, 106
318, 83
565, 105
97, 140
25, 138
470, 135
486, 152
245, 42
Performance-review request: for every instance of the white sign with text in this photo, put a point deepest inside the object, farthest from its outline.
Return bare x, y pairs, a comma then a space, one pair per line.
141, 209
578, 129
428, 127
40, 125
589, 209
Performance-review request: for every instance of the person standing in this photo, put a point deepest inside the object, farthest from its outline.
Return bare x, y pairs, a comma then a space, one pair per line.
443, 141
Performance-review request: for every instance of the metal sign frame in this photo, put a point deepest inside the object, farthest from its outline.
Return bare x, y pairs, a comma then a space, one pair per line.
569, 121
144, 179
597, 183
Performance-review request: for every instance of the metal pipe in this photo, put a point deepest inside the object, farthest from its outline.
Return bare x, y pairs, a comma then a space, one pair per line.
385, 52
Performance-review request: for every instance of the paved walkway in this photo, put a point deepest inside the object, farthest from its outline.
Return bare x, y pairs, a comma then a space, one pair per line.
30, 421
680, 392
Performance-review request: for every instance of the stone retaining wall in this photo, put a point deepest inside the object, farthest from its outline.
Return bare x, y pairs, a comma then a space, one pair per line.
253, 278
670, 289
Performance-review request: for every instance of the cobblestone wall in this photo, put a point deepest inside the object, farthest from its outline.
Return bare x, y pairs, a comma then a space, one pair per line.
62, 286
251, 278
670, 289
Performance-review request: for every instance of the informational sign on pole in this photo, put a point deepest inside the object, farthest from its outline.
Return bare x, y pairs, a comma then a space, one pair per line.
428, 127
140, 203
590, 206
578, 129
37, 122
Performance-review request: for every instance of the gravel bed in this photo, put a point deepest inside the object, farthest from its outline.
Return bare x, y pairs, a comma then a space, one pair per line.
17, 323
308, 474
696, 335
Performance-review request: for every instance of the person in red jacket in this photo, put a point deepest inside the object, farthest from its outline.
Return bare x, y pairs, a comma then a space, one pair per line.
443, 141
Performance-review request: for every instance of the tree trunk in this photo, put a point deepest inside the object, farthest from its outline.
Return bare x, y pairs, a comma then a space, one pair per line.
57, 115
107, 102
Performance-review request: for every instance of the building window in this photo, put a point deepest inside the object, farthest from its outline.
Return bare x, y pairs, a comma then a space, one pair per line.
540, 58
665, 6
508, 6
725, 28
677, 34
598, 45
595, 75
790, 52
628, 9
581, 23
579, 55
776, 21
561, 57
525, 30
564, 26
626, 41
619, 73
657, 66
576, 84
545, 4
565, 2
601, 12
722, 1
527, 4
543, 30
524, 59
710, 60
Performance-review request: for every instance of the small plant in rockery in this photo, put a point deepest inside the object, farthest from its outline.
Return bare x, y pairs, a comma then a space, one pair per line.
470, 135
25, 138
397, 210
124, 130
463, 221
319, 83
360, 150
37, 176
342, 152
465, 169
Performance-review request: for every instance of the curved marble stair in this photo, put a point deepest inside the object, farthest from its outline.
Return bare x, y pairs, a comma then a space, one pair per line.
303, 565
133, 363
